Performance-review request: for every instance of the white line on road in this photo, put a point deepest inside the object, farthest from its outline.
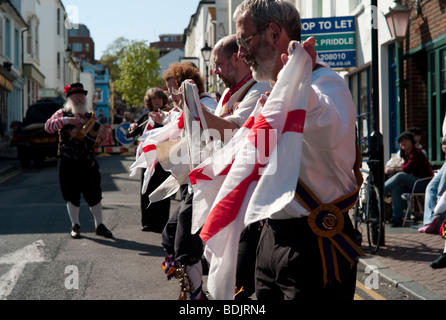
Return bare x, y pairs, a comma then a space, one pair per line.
18, 259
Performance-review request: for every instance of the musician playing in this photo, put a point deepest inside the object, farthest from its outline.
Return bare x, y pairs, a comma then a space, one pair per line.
79, 132
154, 216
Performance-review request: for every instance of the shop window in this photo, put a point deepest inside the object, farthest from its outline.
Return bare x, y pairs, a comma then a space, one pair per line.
436, 102
360, 89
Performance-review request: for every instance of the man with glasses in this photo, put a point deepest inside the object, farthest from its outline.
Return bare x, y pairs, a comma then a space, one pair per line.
289, 263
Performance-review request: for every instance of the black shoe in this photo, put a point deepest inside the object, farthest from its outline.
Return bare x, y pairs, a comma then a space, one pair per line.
101, 230
75, 232
396, 222
439, 263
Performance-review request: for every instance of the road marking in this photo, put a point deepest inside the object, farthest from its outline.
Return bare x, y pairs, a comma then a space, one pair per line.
10, 175
18, 260
370, 292
358, 297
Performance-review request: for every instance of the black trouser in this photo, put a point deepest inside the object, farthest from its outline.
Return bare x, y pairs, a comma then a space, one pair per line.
246, 260
155, 215
289, 264
80, 176
177, 238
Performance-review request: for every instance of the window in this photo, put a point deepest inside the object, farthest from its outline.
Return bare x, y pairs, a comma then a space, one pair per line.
17, 47
58, 21
436, 101
77, 47
354, 4
58, 65
98, 95
36, 40
8, 38
360, 90
29, 39
317, 9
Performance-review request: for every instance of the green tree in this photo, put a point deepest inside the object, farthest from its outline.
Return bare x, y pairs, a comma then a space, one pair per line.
138, 70
111, 57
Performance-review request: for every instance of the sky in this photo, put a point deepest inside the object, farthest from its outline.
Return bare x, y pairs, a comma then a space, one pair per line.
108, 20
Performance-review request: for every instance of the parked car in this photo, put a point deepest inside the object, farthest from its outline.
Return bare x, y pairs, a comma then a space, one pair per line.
33, 143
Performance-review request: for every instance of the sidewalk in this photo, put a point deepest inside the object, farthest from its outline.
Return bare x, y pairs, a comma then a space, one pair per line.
404, 261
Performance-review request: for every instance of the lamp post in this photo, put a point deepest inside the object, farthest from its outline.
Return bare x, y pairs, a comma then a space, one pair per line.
206, 53
376, 149
398, 23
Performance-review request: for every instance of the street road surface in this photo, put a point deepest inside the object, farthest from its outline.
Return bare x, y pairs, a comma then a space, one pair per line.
40, 261
38, 257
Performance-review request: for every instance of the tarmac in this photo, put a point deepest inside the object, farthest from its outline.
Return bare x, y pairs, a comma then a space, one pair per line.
403, 259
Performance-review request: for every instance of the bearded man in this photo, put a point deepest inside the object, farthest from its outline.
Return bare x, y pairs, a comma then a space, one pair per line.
79, 132
294, 260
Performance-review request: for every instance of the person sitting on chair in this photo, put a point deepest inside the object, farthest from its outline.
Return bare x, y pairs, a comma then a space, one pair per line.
414, 166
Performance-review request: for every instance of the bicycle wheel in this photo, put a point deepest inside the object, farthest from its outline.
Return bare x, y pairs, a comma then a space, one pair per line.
374, 220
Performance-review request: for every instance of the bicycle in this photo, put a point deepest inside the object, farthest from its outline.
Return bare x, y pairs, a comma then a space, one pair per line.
368, 210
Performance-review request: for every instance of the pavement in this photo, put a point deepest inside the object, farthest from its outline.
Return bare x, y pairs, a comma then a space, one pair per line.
403, 260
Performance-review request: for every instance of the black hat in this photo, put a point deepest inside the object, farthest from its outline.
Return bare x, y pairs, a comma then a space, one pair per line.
75, 88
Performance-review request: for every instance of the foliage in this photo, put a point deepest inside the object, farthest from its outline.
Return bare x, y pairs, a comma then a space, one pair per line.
134, 67
112, 54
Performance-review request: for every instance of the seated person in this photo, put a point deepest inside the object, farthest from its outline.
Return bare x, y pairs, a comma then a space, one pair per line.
434, 191
440, 210
414, 166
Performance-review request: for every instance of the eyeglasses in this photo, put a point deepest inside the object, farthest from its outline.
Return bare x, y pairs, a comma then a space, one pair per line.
244, 42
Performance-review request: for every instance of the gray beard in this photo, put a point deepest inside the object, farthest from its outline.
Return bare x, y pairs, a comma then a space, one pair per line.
76, 109
265, 61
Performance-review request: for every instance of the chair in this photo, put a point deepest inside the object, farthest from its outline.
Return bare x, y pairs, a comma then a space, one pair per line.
412, 195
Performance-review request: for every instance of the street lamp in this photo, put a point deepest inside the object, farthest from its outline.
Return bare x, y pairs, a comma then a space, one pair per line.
398, 21
206, 53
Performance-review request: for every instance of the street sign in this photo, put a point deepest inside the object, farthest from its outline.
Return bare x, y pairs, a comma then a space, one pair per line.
335, 39
121, 132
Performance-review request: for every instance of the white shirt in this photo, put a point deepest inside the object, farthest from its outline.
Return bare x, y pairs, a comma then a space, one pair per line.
208, 102
247, 105
329, 142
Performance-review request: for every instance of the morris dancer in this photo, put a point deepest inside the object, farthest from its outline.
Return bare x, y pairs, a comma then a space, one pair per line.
79, 173
289, 259
235, 106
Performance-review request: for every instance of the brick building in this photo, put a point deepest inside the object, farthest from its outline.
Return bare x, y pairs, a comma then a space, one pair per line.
81, 44
425, 73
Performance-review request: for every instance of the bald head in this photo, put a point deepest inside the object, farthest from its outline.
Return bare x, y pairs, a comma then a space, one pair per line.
227, 65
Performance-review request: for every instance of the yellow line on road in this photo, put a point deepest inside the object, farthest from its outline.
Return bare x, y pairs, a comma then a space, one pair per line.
370, 292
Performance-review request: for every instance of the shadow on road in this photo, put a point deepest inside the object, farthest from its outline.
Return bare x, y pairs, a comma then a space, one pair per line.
144, 248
